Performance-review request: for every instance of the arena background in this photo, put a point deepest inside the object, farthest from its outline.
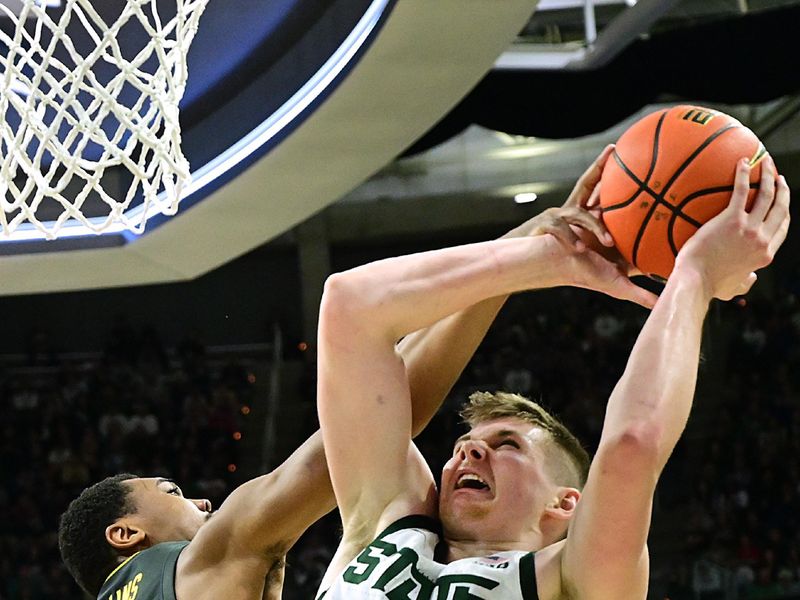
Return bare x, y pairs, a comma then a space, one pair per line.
211, 380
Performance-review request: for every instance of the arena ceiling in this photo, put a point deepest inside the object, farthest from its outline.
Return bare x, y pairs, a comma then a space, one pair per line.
420, 67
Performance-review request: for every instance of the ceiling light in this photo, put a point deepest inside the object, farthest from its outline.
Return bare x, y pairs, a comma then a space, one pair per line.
525, 197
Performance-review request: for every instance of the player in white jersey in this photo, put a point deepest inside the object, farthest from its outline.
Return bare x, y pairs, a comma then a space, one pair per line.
400, 562
511, 486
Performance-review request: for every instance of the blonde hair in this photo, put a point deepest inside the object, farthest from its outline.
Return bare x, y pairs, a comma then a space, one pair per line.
568, 463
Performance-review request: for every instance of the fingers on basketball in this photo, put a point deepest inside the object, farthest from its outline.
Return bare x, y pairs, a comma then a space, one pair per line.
741, 187
777, 220
766, 192
587, 183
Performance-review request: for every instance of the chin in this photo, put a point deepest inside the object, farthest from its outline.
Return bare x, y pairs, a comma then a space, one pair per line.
462, 522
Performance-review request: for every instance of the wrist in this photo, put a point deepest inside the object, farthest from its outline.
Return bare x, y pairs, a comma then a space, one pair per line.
517, 232
559, 262
544, 261
690, 274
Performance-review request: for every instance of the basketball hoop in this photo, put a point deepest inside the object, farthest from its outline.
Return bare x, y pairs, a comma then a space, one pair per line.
85, 135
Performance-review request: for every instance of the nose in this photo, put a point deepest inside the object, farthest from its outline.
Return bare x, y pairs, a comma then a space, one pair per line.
203, 504
473, 450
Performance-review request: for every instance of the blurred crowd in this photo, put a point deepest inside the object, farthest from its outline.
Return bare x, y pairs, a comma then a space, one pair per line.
743, 523
70, 422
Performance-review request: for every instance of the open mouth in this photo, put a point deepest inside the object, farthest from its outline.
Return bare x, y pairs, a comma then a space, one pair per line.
471, 481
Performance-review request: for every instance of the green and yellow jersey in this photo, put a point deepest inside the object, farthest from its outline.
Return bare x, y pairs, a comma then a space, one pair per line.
147, 575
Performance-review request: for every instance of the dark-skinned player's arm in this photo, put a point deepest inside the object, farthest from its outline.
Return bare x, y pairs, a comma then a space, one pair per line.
605, 554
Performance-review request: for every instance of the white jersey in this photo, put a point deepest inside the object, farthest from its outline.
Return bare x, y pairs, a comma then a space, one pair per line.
399, 565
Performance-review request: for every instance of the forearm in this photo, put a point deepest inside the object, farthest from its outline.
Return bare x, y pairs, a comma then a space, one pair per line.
653, 399
436, 356
400, 295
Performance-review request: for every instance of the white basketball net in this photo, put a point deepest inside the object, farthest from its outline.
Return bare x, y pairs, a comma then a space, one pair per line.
64, 129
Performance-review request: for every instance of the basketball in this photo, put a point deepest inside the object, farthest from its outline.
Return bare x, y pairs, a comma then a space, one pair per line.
672, 171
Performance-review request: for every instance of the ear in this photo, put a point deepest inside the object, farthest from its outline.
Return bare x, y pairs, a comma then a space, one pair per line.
564, 504
123, 535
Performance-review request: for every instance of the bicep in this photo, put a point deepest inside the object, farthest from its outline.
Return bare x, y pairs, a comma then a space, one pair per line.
605, 555
365, 412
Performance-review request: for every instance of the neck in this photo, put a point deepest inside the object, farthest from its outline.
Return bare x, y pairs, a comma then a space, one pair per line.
465, 548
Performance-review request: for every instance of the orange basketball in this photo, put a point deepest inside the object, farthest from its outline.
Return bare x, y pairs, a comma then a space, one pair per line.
672, 171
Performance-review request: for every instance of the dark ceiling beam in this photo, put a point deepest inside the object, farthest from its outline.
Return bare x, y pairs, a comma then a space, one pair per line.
780, 114
620, 33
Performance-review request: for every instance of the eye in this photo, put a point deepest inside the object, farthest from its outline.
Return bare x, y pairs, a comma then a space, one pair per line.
509, 442
175, 491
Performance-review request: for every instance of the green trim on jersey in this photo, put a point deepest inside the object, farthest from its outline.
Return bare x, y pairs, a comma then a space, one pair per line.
527, 577
413, 522
399, 564
147, 575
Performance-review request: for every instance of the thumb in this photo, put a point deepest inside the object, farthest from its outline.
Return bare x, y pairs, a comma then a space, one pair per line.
748, 283
627, 290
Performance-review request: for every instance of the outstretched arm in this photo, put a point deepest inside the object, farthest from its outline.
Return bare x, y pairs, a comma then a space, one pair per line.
605, 555
436, 356
364, 397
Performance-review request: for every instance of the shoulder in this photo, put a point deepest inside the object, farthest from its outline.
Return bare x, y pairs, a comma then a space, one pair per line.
146, 573
197, 577
357, 563
548, 572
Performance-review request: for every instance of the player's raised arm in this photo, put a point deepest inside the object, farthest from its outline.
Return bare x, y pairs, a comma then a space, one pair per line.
605, 555
266, 515
365, 310
436, 356
363, 397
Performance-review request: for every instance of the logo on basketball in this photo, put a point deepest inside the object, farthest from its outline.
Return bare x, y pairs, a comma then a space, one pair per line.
701, 117
668, 177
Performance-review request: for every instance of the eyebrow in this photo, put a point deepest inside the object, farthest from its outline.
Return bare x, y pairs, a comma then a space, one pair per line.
503, 433
507, 433
161, 480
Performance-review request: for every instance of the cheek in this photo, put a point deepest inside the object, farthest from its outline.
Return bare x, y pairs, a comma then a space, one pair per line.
521, 475
447, 470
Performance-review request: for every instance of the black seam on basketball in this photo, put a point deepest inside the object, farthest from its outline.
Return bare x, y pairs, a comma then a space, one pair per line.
754, 185
640, 233
643, 184
637, 181
694, 154
656, 137
671, 229
678, 211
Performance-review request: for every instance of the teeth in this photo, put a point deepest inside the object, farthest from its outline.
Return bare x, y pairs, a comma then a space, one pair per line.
463, 479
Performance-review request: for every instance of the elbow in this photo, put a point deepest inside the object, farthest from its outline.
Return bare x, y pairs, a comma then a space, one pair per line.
637, 449
348, 304
339, 302
338, 290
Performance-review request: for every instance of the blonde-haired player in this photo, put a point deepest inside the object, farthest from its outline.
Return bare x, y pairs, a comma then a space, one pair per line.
511, 526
